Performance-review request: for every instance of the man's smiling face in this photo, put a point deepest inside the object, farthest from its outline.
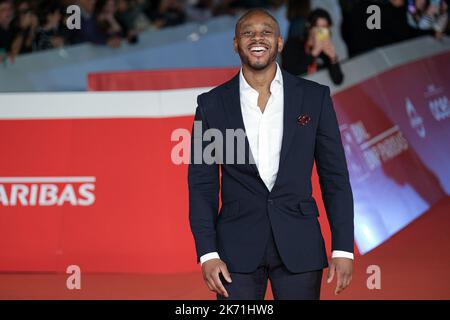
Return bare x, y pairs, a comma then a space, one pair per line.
257, 40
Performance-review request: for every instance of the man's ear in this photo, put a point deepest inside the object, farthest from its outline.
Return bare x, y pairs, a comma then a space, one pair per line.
280, 44
235, 45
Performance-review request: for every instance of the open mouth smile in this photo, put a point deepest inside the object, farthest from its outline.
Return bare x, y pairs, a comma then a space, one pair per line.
258, 50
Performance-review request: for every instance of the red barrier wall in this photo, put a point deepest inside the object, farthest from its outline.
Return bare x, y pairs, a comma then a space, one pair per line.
132, 213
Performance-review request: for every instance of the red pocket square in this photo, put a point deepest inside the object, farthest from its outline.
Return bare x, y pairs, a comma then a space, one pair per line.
304, 119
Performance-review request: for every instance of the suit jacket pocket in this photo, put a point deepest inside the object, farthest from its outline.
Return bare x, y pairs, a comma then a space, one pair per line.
308, 208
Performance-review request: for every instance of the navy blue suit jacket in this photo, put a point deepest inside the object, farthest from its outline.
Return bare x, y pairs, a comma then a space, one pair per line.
240, 229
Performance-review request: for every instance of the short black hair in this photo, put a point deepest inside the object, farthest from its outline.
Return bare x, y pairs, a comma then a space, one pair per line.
317, 14
251, 12
49, 8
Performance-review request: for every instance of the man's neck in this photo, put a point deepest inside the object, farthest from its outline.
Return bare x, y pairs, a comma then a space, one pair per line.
260, 80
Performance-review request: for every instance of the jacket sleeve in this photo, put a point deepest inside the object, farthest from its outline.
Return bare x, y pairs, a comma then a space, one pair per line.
203, 182
334, 178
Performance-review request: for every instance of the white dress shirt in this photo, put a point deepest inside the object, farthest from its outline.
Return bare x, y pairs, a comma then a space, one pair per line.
265, 133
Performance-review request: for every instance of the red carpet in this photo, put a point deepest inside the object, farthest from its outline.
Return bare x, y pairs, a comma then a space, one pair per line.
414, 264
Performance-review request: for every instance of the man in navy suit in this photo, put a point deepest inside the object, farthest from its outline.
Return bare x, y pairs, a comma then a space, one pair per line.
267, 226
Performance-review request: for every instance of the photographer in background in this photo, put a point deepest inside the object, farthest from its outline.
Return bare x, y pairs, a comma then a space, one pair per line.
315, 50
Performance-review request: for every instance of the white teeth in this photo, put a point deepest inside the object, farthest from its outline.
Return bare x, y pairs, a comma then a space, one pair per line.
258, 49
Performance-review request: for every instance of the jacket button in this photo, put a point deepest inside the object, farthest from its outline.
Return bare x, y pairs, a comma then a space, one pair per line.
269, 201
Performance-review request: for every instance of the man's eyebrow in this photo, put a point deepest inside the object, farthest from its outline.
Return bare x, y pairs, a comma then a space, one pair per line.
269, 25
264, 24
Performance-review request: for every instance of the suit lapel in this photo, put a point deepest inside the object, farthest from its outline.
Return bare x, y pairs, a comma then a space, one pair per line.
232, 106
293, 103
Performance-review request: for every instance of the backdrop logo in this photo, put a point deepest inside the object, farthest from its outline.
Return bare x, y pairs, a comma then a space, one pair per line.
415, 120
47, 191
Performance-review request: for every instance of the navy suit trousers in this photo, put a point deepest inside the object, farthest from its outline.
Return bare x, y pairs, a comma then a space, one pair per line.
285, 284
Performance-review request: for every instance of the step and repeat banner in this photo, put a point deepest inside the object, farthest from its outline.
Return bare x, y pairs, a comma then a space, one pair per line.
88, 179
396, 131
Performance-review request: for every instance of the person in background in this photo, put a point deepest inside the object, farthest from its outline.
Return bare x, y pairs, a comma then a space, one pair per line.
105, 16
297, 14
130, 15
92, 26
200, 11
394, 25
347, 7
25, 25
49, 35
315, 51
6, 32
428, 17
89, 31
169, 13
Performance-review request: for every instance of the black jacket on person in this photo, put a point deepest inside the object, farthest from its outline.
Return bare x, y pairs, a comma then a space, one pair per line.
360, 39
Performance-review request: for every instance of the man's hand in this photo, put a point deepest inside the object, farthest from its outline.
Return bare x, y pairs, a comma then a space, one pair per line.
343, 268
211, 270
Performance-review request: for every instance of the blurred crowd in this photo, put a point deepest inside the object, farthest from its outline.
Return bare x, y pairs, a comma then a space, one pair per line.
35, 25
309, 46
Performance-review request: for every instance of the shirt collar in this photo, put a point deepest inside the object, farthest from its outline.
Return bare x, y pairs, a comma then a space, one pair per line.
277, 80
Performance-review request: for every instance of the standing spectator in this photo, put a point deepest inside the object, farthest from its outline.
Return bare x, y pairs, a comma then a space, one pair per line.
394, 26
49, 35
394, 23
429, 17
170, 13
25, 26
109, 26
347, 6
6, 32
359, 38
130, 15
297, 13
315, 50
95, 27
89, 31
